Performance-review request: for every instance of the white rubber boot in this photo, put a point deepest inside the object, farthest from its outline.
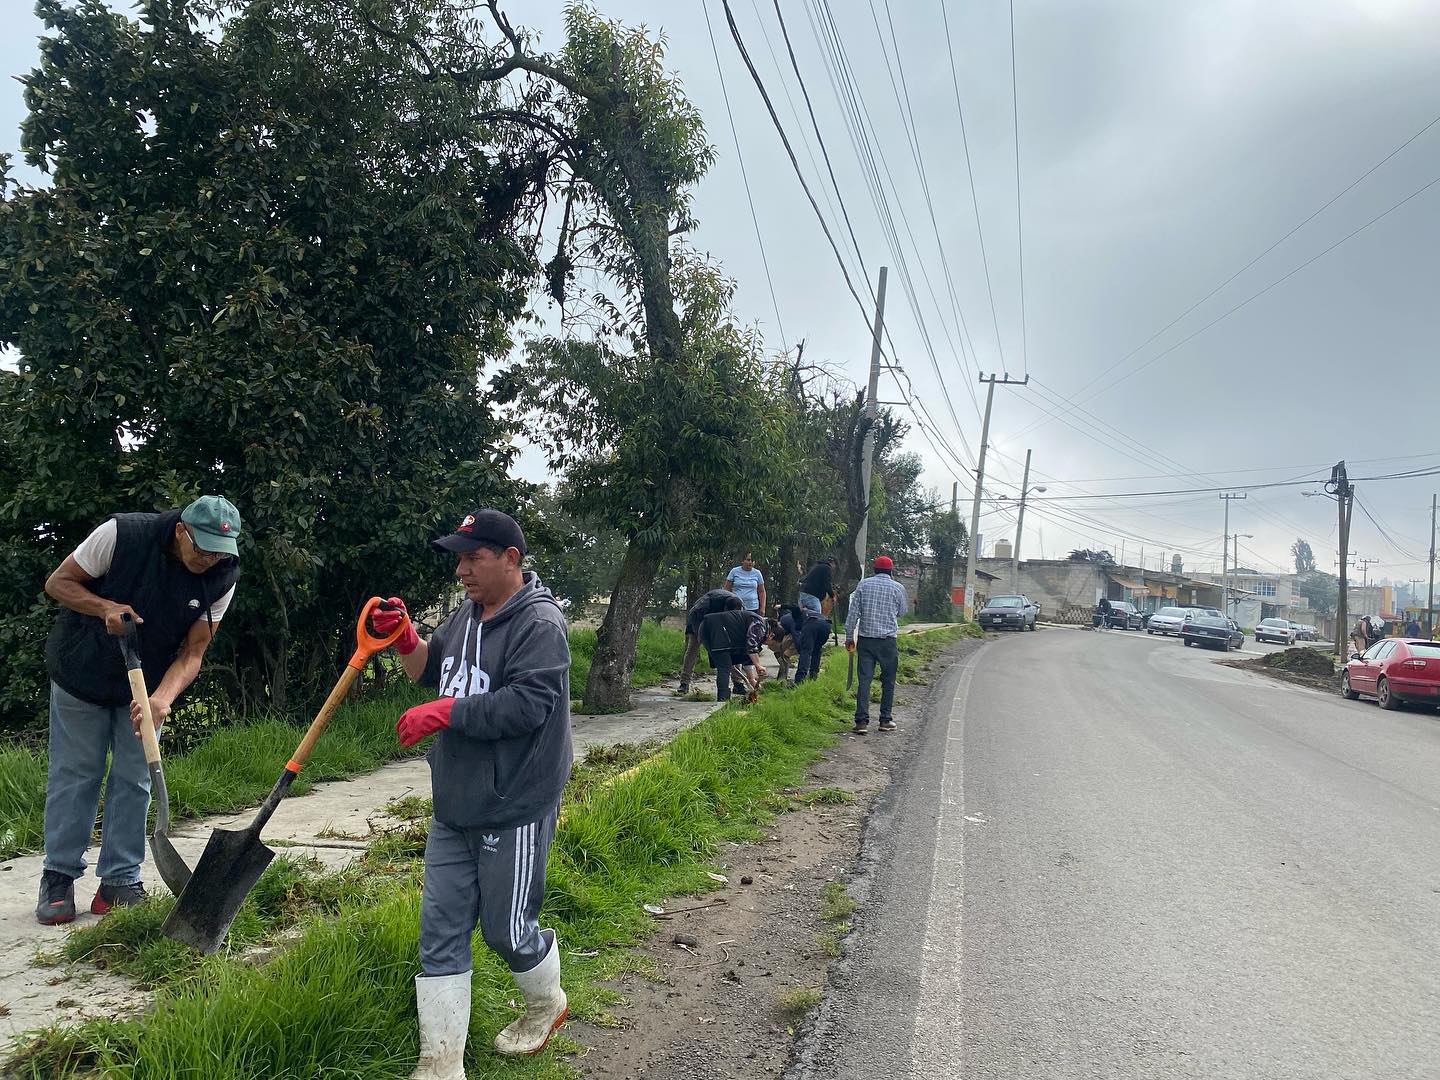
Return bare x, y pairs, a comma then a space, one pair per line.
443, 1002
545, 1005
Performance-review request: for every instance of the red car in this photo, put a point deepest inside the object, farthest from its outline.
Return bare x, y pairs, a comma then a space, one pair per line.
1393, 671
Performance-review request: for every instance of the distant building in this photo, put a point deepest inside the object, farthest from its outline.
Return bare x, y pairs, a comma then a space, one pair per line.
1067, 591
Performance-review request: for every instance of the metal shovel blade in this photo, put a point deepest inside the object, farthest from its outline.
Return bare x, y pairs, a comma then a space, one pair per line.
228, 869
173, 870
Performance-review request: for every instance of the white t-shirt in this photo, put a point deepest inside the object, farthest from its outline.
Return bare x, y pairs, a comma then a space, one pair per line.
97, 551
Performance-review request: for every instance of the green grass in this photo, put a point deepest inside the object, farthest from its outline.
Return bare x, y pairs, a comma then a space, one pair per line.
835, 902
229, 770
797, 1002
827, 796
233, 767
337, 999
22, 799
659, 652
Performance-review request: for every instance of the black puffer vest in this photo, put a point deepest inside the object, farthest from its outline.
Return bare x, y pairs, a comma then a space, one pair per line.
84, 660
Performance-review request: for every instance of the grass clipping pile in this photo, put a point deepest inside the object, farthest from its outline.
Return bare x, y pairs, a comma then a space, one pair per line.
1304, 667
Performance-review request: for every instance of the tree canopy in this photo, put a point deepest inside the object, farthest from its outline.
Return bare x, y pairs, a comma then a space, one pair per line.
241, 281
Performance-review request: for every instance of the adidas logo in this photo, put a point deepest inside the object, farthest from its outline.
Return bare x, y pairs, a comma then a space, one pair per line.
490, 841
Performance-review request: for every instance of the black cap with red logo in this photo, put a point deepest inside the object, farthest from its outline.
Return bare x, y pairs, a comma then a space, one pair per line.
482, 528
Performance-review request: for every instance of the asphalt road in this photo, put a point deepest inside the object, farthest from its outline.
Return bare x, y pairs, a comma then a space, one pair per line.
1107, 856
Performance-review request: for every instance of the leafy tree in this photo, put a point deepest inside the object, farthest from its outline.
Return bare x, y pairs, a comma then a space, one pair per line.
578, 559
1104, 558
1321, 590
661, 450
1304, 557
244, 280
658, 411
947, 544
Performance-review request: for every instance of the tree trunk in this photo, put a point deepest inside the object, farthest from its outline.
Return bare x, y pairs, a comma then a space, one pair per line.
608, 688
787, 586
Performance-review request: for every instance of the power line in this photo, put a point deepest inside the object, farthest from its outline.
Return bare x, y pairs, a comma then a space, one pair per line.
1311, 217
1019, 226
970, 172
1256, 295
794, 164
744, 175
824, 153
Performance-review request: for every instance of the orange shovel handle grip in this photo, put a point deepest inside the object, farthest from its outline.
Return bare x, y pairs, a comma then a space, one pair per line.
366, 643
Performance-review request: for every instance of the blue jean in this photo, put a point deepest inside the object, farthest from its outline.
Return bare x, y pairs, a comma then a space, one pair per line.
809, 602
871, 652
81, 735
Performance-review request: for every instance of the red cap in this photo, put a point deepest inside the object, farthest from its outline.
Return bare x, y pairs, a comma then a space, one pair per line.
884, 562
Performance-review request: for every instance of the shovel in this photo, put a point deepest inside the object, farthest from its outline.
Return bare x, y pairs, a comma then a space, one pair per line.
234, 859
173, 870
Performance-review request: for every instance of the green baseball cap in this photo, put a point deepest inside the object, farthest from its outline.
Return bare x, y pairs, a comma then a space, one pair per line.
215, 523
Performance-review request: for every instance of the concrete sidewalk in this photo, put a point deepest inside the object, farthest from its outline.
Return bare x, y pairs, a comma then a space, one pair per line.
34, 995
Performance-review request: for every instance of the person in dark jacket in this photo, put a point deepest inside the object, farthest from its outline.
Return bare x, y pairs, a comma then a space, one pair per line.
811, 632
725, 635
713, 601
174, 574
819, 586
783, 637
501, 666
1102, 614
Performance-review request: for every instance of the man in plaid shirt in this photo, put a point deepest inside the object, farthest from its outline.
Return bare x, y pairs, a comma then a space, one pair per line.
873, 620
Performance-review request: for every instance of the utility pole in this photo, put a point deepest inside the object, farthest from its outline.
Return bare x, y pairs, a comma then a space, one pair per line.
1430, 598
1225, 555
872, 413
1344, 493
970, 553
1020, 528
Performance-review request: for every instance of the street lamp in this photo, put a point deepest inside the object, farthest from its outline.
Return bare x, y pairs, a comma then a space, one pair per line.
1019, 530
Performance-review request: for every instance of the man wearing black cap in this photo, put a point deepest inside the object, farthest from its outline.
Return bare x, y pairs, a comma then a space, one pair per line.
174, 575
501, 665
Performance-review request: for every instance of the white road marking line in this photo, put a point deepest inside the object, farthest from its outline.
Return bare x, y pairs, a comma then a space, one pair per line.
937, 1045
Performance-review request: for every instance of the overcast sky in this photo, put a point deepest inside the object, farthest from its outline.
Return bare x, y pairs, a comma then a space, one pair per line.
1163, 146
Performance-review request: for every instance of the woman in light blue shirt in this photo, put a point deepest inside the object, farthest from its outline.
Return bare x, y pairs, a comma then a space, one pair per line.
748, 583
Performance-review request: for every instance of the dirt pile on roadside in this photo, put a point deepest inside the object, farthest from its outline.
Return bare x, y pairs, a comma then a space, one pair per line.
1301, 662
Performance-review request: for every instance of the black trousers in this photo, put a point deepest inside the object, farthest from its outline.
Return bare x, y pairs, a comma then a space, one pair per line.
870, 651
722, 662
813, 633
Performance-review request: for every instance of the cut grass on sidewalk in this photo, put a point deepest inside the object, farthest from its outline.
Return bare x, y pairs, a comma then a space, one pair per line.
339, 998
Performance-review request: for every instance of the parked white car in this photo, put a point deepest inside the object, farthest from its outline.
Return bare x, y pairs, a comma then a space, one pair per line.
1167, 620
1278, 631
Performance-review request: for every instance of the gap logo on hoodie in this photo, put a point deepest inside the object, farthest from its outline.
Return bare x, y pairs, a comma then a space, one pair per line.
462, 676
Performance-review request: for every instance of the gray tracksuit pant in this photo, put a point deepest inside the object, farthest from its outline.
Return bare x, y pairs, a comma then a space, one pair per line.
493, 877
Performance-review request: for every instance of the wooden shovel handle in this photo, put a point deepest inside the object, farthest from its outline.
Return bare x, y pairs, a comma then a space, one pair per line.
148, 738
366, 645
317, 726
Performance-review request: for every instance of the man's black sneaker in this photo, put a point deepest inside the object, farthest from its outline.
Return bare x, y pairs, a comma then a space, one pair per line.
684, 688
57, 899
112, 896
860, 729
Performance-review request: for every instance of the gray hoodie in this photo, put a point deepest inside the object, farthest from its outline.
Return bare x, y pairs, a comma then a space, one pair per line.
505, 757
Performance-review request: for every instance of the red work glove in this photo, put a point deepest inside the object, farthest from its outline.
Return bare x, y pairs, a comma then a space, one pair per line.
384, 623
422, 720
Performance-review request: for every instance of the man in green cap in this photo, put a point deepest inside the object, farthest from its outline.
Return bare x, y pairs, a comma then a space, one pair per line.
174, 574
